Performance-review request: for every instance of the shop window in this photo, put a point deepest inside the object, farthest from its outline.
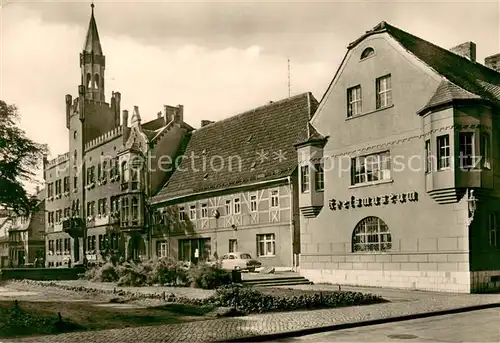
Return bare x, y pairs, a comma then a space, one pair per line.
371, 234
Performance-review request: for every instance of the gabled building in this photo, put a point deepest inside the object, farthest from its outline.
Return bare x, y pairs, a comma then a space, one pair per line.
96, 192
408, 137
27, 236
234, 187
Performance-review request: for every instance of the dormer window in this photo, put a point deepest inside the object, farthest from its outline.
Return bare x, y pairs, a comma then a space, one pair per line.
367, 53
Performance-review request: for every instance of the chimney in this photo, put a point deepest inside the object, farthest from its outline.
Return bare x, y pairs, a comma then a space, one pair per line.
179, 114
493, 62
118, 98
467, 50
168, 113
125, 126
159, 115
206, 122
69, 101
37, 189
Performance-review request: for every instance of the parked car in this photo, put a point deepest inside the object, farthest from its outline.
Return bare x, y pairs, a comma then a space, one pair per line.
240, 261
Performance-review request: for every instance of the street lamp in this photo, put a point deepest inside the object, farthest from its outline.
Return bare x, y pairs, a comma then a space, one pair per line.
472, 206
216, 215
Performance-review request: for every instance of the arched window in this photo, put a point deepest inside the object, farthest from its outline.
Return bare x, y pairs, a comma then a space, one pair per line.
89, 80
367, 53
371, 234
96, 81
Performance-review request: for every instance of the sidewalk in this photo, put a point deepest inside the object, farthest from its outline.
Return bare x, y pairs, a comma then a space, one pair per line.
404, 303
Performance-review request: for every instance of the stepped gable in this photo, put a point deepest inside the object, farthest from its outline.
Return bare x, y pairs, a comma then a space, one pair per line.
262, 139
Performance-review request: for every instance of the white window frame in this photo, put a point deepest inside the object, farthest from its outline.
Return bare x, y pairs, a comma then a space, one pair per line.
354, 102
443, 152
228, 207
267, 240
371, 168
192, 212
486, 150
253, 203
237, 205
163, 249
466, 149
182, 213
319, 177
305, 179
274, 195
233, 245
384, 91
428, 160
204, 210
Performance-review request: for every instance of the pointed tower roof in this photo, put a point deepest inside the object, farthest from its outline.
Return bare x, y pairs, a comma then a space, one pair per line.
92, 42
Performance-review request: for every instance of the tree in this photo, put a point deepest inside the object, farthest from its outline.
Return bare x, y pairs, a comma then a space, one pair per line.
20, 157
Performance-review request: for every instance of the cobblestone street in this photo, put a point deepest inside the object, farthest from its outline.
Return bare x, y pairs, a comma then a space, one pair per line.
402, 303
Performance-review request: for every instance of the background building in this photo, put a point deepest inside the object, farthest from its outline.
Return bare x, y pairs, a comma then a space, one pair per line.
27, 236
409, 138
97, 191
236, 189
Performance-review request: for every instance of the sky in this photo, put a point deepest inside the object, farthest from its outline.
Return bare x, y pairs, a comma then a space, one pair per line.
215, 58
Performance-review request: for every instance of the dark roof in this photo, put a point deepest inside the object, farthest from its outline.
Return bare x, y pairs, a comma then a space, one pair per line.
472, 77
262, 139
92, 42
154, 124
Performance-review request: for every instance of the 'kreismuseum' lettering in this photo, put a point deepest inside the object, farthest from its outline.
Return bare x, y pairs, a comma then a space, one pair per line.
373, 201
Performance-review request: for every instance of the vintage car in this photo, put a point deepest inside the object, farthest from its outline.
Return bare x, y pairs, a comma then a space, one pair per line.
240, 261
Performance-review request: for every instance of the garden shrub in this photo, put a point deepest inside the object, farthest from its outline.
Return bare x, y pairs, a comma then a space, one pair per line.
167, 271
132, 274
208, 276
250, 300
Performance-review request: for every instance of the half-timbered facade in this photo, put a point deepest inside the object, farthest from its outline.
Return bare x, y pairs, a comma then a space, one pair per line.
236, 188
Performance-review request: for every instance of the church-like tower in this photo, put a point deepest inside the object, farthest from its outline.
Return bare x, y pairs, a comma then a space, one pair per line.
93, 63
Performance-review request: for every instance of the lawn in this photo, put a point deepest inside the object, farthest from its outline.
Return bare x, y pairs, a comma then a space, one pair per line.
35, 318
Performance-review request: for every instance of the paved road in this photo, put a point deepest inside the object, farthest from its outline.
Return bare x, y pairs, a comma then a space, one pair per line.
475, 326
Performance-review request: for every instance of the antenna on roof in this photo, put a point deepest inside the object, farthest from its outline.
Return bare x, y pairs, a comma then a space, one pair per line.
289, 84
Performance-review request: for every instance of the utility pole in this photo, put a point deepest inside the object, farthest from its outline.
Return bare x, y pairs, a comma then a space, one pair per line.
289, 83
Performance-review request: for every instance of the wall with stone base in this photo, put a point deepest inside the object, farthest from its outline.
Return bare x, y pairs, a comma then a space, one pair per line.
437, 281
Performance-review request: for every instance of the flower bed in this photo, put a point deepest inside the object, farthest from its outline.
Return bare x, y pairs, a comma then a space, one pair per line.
245, 299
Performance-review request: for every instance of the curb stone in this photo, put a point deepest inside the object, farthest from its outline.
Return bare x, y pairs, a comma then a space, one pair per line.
336, 327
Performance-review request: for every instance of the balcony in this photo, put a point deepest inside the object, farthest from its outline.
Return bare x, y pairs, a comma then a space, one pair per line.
101, 219
58, 226
73, 226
